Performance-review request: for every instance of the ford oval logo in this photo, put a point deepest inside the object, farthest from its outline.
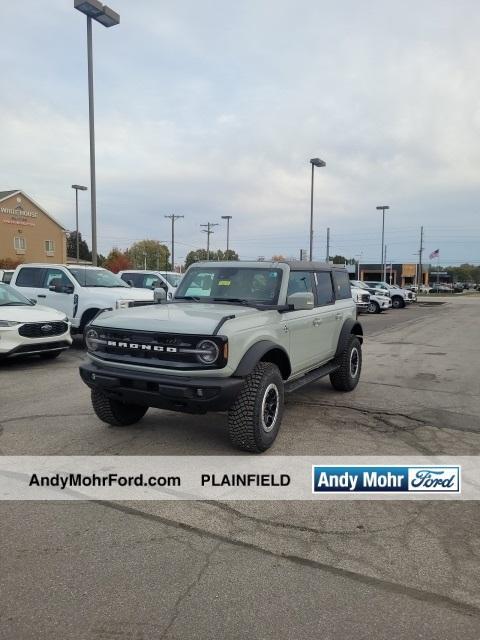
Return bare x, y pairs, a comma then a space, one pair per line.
46, 328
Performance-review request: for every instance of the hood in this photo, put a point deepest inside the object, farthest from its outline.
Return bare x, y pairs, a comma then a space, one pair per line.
185, 317
35, 313
121, 293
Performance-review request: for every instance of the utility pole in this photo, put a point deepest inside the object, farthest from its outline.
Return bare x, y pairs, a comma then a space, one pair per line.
173, 218
208, 231
420, 274
327, 259
383, 208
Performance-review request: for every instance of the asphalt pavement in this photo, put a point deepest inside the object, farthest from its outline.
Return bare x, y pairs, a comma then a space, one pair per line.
204, 570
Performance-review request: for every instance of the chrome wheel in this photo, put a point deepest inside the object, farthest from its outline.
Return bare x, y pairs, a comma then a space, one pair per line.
270, 405
372, 307
354, 362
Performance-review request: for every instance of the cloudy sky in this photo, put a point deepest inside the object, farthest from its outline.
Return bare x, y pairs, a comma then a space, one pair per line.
213, 107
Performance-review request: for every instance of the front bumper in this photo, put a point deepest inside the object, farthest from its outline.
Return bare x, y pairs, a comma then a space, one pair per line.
174, 393
13, 344
361, 306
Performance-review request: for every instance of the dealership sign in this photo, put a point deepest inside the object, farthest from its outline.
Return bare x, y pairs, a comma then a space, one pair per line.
20, 213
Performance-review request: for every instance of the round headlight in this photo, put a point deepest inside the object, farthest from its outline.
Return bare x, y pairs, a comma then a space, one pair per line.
209, 351
91, 340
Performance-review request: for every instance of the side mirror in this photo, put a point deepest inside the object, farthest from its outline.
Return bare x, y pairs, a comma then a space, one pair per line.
301, 300
130, 283
61, 288
159, 295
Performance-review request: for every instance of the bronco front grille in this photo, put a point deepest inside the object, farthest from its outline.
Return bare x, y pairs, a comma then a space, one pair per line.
155, 349
42, 329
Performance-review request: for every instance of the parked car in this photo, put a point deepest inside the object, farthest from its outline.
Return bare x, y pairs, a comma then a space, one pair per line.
30, 329
149, 279
6, 275
379, 300
236, 337
361, 297
438, 287
399, 297
79, 292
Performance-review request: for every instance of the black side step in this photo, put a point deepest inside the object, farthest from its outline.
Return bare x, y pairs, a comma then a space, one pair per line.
311, 376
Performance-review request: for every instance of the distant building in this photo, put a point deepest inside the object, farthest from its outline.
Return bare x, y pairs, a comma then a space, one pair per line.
401, 274
27, 232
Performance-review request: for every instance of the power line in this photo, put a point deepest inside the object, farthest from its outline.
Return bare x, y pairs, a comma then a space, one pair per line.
209, 231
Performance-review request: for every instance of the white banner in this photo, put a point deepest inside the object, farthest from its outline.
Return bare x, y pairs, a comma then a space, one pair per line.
239, 478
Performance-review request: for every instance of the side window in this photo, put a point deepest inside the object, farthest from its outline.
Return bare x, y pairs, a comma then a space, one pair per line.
150, 279
30, 277
299, 282
135, 278
342, 285
56, 276
324, 288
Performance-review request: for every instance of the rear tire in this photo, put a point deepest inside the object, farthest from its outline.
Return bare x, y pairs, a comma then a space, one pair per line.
114, 412
256, 415
346, 377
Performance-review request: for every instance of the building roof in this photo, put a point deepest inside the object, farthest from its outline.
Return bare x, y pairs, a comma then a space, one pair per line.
7, 194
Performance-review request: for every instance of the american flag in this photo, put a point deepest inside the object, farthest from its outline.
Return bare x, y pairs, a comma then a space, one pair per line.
435, 254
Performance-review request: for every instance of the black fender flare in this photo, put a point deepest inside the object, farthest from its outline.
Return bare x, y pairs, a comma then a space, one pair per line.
350, 327
256, 352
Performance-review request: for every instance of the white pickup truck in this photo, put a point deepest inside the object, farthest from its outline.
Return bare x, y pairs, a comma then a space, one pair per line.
400, 297
79, 291
150, 279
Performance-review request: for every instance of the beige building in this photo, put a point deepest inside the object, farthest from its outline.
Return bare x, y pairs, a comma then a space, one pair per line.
27, 232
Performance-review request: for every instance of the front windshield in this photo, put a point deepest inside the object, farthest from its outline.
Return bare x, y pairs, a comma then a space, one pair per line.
172, 278
359, 284
96, 278
235, 284
10, 298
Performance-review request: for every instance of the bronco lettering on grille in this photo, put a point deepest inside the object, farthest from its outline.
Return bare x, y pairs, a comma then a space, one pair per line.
143, 347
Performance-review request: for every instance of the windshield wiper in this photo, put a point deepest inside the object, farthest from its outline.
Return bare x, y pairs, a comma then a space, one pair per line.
15, 304
194, 298
241, 301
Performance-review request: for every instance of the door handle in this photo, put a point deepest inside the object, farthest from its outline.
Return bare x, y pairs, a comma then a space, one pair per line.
317, 322
41, 295
338, 316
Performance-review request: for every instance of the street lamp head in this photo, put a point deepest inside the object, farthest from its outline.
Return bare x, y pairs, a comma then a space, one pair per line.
227, 217
79, 187
98, 11
383, 207
318, 163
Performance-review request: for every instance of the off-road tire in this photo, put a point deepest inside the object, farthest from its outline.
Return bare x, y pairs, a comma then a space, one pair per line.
114, 412
245, 417
398, 302
373, 307
342, 379
50, 355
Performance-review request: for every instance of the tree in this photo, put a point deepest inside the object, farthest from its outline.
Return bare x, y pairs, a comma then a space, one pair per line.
154, 253
201, 254
84, 252
117, 261
278, 258
195, 256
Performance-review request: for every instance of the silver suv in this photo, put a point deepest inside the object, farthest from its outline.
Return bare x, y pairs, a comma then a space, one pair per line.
236, 337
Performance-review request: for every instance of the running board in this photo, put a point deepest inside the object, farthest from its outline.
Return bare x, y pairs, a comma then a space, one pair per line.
311, 376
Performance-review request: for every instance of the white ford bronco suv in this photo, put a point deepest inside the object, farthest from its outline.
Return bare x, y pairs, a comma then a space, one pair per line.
236, 337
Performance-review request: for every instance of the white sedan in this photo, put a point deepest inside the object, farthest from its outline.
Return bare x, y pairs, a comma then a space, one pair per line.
28, 329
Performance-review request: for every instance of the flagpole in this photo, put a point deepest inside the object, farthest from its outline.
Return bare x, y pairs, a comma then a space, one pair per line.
438, 269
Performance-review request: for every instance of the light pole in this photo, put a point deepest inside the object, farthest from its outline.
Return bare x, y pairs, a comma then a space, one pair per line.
227, 218
77, 188
382, 208
359, 256
173, 218
106, 16
315, 162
